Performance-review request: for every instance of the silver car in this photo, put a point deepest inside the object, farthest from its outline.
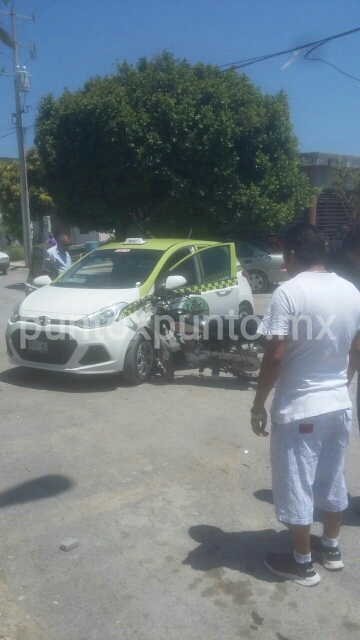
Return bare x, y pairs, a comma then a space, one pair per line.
264, 267
4, 262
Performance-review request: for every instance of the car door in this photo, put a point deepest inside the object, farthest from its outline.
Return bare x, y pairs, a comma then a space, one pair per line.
37, 261
211, 279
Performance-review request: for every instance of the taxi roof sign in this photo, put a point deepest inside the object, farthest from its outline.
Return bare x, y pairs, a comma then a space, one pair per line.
134, 241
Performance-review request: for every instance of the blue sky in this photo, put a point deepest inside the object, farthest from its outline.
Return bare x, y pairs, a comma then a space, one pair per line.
77, 39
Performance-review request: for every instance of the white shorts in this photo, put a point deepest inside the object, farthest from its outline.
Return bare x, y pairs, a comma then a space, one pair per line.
307, 461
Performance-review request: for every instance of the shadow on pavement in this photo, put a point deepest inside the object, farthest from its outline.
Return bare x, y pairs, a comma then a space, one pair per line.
16, 287
59, 382
211, 382
240, 551
265, 495
351, 516
37, 489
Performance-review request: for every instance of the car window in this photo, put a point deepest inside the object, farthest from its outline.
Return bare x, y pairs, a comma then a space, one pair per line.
243, 250
111, 269
260, 245
188, 269
38, 259
215, 264
175, 257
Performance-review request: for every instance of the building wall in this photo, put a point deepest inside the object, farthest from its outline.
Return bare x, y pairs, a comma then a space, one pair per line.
76, 235
79, 236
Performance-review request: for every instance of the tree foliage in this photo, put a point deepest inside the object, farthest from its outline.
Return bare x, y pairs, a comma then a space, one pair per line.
174, 147
40, 201
346, 184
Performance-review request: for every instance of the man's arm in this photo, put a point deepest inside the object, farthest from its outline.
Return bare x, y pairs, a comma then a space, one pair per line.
269, 373
354, 357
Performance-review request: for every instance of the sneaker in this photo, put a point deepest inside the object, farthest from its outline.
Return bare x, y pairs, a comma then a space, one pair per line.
285, 565
330, 556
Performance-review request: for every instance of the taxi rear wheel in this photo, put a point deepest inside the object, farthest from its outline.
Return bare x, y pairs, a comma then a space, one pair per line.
139, 361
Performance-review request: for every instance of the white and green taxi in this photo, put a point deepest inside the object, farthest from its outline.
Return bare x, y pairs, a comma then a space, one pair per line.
86, 320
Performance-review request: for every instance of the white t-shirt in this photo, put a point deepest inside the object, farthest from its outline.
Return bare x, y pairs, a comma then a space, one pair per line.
320, 314
61, 259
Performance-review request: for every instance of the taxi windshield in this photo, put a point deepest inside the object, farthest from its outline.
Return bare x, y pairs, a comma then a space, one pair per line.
111, 269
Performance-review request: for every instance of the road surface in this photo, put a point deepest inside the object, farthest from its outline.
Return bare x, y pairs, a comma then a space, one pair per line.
168, 493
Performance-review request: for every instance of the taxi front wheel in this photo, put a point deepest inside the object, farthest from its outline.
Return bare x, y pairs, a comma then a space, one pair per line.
139, 360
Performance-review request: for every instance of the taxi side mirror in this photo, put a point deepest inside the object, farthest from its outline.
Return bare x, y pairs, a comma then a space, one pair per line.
42, 281
168, 283
174, 282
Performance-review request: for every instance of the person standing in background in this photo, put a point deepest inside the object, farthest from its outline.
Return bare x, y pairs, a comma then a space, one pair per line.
50, 240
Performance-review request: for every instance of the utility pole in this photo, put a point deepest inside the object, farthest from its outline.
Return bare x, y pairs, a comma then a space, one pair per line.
20, 84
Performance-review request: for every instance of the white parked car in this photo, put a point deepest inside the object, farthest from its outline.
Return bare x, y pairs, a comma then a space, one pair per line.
4, 263
85, 321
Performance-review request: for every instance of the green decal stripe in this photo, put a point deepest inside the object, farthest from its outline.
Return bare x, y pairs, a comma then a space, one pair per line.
201, 288
135, 306
221, 275
196, 288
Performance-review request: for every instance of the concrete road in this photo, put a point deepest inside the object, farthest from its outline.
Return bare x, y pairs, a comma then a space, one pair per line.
168, 493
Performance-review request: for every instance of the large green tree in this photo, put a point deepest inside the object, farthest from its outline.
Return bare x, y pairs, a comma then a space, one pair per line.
173, 147
40, 201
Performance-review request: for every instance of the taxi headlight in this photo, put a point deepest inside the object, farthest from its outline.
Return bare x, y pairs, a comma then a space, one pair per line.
15, 316
103, 318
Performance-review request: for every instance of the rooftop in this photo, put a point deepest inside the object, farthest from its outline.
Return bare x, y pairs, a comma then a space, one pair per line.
319, 158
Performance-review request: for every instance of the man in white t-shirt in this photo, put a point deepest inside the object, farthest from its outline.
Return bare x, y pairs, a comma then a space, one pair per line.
311, 325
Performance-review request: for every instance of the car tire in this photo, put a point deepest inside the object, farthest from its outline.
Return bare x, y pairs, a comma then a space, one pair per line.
165, 365
4, 272
245, 309
258, 281
139, 361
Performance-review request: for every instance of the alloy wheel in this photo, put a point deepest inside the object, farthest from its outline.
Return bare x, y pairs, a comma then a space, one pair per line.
145, 359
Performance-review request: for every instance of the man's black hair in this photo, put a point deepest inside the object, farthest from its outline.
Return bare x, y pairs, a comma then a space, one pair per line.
352, 240
307, 243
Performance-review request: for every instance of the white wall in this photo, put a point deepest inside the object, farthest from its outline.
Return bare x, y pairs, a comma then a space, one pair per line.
80, 238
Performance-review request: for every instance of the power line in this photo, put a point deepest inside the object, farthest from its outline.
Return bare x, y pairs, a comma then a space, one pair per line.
333, 66
8, 134
314, 59
249, 61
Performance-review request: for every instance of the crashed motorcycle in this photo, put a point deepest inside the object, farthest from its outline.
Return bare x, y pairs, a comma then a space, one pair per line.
227, 345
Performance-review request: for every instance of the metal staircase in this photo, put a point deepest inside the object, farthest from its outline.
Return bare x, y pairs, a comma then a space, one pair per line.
330, 215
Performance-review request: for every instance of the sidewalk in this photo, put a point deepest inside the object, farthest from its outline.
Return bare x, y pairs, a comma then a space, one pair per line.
17, 265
